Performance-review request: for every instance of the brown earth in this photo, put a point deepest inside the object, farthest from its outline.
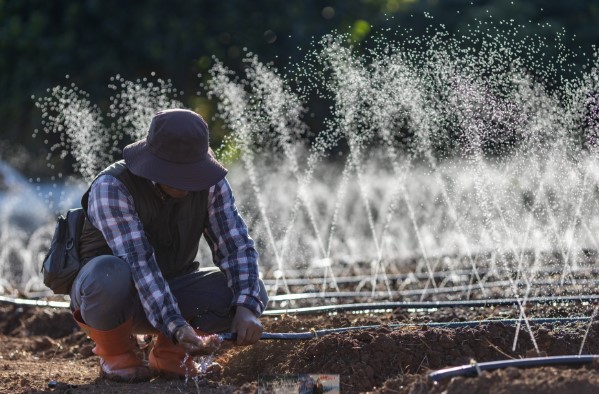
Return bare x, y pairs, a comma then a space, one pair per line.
42, 345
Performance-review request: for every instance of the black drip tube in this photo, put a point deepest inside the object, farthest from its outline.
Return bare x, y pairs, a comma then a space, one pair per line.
383, 306
475, 369
319, 333
372, 307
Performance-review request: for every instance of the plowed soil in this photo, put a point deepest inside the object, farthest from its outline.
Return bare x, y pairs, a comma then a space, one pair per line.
39, 345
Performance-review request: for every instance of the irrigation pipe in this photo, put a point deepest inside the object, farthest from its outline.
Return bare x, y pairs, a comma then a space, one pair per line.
315, 334
419, 275
474, 323
474, 368
387, 306
420, 292
28, 302
371, 307
318, 333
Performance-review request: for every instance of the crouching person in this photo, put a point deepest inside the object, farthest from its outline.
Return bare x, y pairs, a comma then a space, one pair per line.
145, 216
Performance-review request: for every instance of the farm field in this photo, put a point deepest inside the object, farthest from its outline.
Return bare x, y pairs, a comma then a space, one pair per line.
38, 345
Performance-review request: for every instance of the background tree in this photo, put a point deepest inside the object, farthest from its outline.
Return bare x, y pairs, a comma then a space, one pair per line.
91, 40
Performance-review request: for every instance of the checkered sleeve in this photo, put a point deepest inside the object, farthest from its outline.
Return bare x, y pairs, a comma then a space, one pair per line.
232, 248
111, 210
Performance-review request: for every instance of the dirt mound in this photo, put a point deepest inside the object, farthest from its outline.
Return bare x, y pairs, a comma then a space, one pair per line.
367, 359
38, 345
26, 321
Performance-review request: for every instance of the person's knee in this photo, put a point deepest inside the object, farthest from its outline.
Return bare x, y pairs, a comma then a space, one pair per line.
104, 292
107, 278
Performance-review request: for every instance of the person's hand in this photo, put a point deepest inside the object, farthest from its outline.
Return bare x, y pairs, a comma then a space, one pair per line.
196, 345
247, 326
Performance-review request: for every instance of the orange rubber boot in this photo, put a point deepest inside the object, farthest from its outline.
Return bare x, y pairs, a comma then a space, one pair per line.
172, 361
115, 348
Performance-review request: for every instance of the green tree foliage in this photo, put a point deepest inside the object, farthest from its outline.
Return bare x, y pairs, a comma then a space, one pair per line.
91, 40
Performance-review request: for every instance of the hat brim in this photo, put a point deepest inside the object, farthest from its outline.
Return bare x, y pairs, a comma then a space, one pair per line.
195, 176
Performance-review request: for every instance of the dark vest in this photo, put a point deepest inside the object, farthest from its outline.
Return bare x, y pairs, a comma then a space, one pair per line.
172, 226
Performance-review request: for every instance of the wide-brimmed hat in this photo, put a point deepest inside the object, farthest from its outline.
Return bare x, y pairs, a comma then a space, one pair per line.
176, 152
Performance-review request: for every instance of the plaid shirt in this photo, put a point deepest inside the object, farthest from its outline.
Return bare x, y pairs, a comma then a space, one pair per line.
112, 211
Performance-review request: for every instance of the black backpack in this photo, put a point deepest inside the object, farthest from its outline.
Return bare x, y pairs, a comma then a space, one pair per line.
61, 263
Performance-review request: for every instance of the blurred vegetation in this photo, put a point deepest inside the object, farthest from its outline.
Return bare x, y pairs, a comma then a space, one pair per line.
91, 40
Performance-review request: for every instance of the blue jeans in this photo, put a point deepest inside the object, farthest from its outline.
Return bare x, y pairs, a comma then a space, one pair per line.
104, 292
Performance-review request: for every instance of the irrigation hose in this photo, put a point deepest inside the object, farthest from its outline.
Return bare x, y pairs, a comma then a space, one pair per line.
385, 306
371, 307
29, 302
474, 368
303, 281
319, 333
587, 283
473, 323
